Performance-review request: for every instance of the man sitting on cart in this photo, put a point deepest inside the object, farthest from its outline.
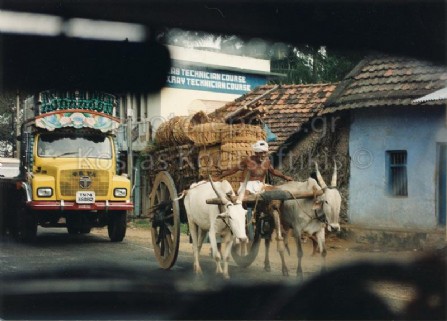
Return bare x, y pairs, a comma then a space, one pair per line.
258, 165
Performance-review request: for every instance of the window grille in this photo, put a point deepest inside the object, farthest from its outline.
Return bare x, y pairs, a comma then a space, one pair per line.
397, 173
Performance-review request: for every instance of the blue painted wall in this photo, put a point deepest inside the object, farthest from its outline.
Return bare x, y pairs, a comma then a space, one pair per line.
418, 130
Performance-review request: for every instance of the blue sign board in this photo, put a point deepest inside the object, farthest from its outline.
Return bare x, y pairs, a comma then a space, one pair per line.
195, 78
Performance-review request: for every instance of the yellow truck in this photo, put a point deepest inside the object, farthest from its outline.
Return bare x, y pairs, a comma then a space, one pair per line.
70, 173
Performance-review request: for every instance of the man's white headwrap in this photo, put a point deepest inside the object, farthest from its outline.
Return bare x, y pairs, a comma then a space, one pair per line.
260, 146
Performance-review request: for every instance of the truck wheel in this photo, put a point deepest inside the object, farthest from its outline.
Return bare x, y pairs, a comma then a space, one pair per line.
117, 226
85, 230
73, 223
72, 230
26, 228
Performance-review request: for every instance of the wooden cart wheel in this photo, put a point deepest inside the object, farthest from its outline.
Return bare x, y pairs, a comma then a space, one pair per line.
245, 254
165, 220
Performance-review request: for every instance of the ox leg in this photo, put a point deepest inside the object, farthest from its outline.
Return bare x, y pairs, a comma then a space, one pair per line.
193, 229
200, 239
314, 244
320, 235
215, 250
286, 240
227, 243
299, 252
267, 258
280, 242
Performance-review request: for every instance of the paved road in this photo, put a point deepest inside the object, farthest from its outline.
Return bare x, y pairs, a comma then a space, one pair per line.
56, 249
123, 281
59, 264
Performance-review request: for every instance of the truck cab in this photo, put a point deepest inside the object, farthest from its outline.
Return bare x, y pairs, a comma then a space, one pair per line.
70, 175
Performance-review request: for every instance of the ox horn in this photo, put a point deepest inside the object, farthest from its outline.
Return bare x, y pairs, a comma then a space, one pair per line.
241, 195
334, 175
219, 193
319, 178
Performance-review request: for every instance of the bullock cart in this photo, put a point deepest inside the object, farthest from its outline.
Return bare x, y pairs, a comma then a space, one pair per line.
191, 149
167, 212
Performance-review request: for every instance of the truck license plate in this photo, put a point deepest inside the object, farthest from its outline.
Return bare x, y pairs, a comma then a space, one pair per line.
85, 197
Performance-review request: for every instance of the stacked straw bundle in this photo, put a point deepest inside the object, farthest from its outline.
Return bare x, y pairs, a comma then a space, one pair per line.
237, 141
179, 161
242, 133
235, 145
209, 161
177, 130
207, 134
216, 147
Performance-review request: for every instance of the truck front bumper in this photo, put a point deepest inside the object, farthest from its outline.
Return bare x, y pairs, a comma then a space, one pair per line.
70, 205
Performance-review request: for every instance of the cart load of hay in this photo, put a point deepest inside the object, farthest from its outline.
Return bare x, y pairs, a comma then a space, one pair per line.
235, 145
178, 130
191, 147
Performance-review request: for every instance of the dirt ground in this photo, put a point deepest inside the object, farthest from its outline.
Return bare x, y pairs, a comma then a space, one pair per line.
340, 252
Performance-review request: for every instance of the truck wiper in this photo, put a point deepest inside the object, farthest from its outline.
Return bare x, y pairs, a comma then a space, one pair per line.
67, 153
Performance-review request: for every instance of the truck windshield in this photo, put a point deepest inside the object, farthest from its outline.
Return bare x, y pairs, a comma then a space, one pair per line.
74, 146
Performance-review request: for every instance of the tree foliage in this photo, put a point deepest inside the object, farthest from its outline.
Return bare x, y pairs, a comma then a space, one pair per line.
309, 65
304, 64
299, 64
7, 124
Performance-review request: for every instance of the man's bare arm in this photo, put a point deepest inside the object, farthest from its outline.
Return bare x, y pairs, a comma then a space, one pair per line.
242, 165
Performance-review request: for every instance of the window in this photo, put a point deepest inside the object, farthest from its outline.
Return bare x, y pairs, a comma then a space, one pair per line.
50, 145
397, 173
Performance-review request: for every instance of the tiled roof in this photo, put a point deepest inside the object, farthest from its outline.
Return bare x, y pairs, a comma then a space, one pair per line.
379, 81
283, 108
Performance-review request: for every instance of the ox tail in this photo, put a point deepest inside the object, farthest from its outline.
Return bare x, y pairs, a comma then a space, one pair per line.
181, 195
334, 175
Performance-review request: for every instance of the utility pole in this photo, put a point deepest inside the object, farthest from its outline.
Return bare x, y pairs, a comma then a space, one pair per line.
129, 146
17, 151
130, 153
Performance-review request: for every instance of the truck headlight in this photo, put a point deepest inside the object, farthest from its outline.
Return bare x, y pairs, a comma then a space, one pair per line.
44, 192
120, 192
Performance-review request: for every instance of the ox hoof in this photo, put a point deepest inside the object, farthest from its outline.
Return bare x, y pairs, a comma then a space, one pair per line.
197, 270
285, 272
198, 274
267, 268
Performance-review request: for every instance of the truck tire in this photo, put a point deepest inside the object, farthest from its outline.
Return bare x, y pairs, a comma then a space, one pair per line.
72, 230
73, 223
26, 225
85, 230
117, 225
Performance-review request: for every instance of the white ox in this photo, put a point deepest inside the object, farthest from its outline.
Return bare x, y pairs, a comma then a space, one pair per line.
309, 215
227, 220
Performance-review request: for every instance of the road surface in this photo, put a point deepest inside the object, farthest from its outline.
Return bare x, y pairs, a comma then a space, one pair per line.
73, 259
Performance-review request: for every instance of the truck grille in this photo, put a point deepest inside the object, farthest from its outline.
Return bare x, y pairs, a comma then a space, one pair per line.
93, 180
